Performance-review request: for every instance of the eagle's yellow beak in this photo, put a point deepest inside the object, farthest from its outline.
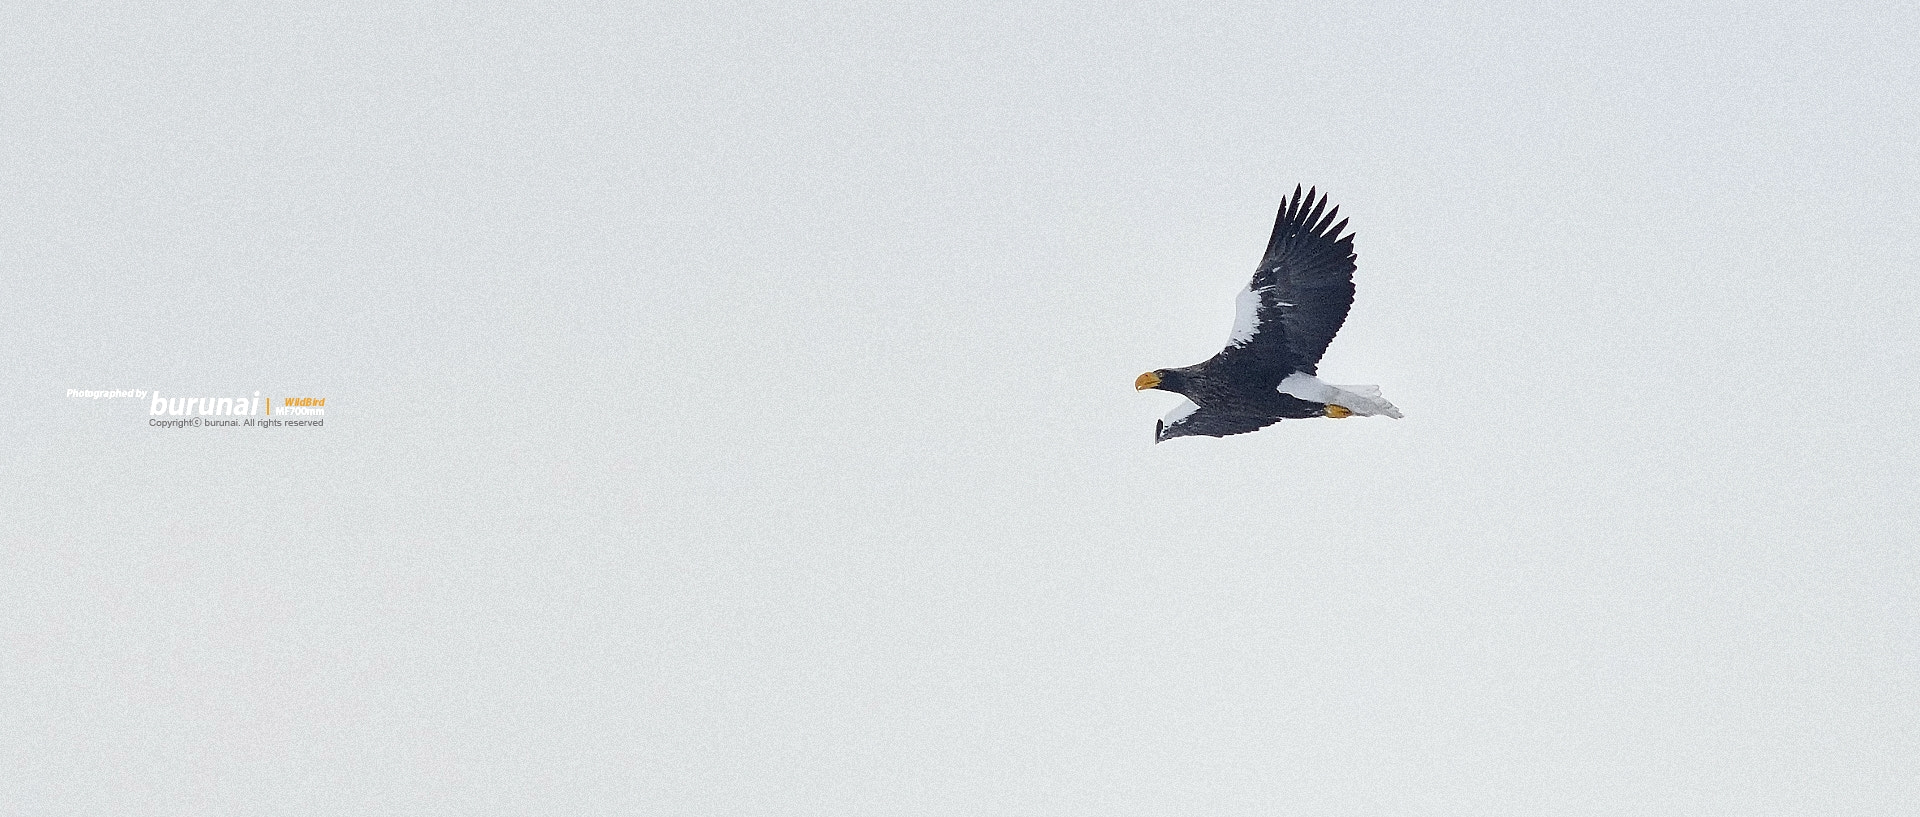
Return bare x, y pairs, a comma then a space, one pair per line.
1146, 381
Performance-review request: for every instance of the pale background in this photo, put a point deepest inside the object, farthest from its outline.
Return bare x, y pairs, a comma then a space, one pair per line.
730, 410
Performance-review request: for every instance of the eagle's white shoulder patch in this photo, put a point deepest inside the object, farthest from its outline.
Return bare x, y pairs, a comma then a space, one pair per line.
1180, 412
1246, 317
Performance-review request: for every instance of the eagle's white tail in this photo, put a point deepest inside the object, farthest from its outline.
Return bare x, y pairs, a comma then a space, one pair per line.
1362, 400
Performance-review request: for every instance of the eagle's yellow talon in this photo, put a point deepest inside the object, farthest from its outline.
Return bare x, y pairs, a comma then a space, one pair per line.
1337, 412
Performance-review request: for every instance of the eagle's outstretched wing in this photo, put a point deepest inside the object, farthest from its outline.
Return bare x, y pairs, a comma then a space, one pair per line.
1300, 295
1188, 420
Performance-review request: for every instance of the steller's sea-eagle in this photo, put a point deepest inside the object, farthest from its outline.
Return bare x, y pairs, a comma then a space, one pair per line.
1287, 315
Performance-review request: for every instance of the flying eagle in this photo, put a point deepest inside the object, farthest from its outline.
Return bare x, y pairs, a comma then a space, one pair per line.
1287, 315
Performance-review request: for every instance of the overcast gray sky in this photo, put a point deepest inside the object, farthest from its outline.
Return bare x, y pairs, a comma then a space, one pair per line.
729, 410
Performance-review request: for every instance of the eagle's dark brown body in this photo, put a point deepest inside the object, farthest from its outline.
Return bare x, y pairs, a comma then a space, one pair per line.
1224, 385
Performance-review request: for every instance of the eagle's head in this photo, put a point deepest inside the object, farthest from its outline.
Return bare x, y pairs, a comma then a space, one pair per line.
1163, 379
